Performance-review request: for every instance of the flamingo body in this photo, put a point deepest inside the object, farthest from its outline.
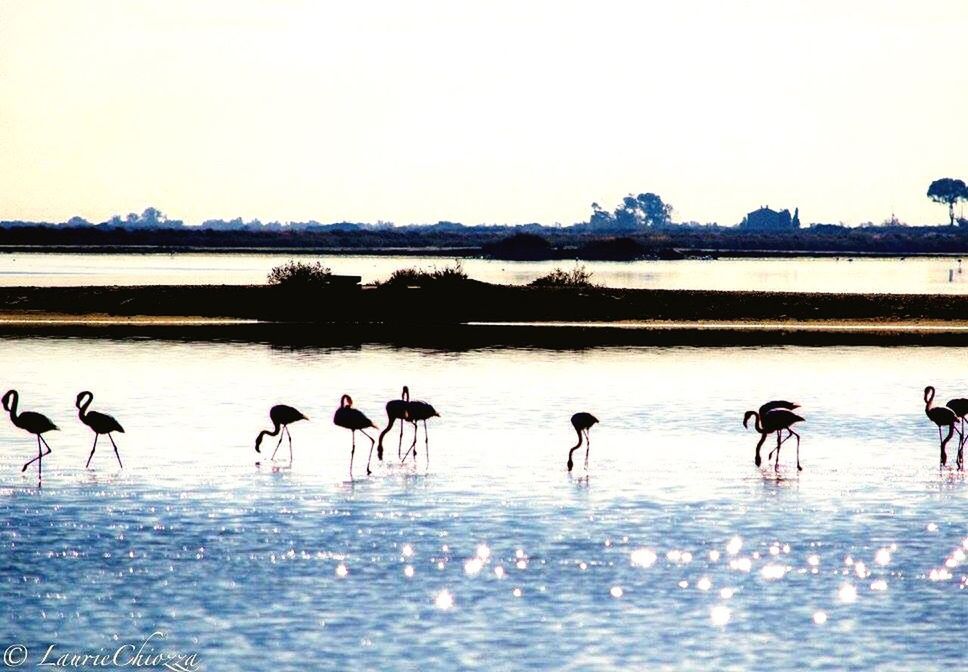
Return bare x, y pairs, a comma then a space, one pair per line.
354, 420
582, 422
775, 420
100, 423
34, 423
942, 416
281, 416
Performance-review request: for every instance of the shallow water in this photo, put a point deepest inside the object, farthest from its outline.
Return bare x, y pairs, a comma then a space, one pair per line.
915, 275
671, 552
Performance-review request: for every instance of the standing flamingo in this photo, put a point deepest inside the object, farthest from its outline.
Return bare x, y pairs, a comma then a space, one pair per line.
960, 408
419, 411
582, 422
281, 416
774, 421
100, 423
35, 423
775, 405
396, 410
350, 418
942, 416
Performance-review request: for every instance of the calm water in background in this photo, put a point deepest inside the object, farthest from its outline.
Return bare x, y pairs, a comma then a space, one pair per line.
674, 553
930, 275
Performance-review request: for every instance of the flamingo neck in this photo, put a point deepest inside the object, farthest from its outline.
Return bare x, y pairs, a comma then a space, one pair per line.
83, 406
11, 398
345, 401
757, 423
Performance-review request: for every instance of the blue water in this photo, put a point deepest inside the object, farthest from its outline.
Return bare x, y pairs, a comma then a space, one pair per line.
671, 552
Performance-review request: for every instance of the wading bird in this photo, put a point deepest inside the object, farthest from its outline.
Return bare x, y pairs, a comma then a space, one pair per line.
582, 422
281, 416
773, 421
350, 418
35, 423
100, 423
775, 405
942, 416
396, 410
960, 408
419, 411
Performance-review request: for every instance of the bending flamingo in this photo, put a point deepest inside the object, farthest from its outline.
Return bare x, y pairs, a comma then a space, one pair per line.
396, 410
350, 418
960, 408
100, 423
942, 416
419, 411
772, 406
582, 422
774, 421
35, 423
281, 416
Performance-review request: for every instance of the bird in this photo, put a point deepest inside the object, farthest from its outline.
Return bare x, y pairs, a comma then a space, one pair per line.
960, 408
350, 418
281, 416
772, 406
100, 423
582, 422
773, 421
942, 416
35, 423
396, 410
419, 411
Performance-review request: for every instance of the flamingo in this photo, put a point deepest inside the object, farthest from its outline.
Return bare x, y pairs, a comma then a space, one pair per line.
582, 422
99, 423
35, 423
281, 416
774, 421
775, 405
396, 410
419, 411
960, 408
350, 418
942, 416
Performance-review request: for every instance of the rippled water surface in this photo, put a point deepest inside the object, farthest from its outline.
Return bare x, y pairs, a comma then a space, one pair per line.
671, 552
915, 275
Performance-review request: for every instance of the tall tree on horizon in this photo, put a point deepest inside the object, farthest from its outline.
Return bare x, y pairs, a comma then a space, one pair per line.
948, 191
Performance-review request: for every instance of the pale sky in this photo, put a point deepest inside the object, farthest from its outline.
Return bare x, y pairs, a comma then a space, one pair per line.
480, 112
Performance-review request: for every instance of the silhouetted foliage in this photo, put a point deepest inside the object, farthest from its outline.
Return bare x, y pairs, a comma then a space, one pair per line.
612, 249
416, 277
520, 246
948, 191
576, 278
635, 212
298, 274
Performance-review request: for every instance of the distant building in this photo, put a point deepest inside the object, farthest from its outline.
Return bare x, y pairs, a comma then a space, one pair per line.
766, 219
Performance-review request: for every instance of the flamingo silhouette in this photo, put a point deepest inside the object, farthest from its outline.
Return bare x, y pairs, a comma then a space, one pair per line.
100, 423
960, 408
396, 410
419, 411
350, 418
582, 422
773, 421
35, 423
942, 416
281, 416
775, 405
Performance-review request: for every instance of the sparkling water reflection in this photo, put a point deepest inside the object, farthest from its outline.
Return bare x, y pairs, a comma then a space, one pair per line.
673, 551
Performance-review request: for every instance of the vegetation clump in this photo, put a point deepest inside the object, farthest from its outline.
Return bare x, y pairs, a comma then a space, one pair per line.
520, 247
418, 277
577, 278
298, 274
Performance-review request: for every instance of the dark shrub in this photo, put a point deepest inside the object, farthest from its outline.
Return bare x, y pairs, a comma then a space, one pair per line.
520, 247
298, 274
575, 278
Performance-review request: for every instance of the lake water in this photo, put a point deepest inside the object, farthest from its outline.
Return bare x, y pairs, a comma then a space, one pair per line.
930, 275
672, 552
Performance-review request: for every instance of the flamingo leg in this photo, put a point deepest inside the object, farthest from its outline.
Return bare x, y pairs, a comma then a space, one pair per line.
799, 468
588, 446
426, 444
400, 441
116, 453
352, 453
944, 456
39, 456
279, 443
372, 443
781, 442
961, 447
290, 443
776, 465
756, 458
89, 457
413, 446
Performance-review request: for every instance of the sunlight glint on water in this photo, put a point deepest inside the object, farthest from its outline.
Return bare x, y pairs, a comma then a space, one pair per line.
673, 551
